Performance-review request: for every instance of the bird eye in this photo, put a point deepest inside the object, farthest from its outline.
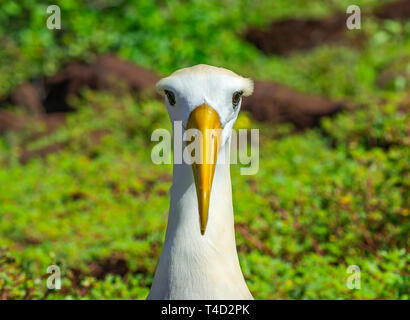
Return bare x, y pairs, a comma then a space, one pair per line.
236, 98
170, 96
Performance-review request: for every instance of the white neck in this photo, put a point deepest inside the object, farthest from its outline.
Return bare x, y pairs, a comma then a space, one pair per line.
193, 266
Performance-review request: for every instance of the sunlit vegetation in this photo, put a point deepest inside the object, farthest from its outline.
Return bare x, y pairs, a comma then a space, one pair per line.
323, 199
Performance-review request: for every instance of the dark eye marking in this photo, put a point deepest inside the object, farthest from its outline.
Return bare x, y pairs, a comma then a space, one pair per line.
236, 98
170, 96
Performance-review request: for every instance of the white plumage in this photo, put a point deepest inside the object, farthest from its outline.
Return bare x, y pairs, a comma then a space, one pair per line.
195, 265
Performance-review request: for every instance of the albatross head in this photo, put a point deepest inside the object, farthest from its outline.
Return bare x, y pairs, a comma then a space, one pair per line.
207, 99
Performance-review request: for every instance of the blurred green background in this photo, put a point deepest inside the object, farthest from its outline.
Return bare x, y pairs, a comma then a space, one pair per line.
324, 198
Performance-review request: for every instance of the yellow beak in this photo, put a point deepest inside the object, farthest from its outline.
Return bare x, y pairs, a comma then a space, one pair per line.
206, 120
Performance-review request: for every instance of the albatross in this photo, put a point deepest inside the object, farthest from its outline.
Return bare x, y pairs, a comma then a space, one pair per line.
199, 258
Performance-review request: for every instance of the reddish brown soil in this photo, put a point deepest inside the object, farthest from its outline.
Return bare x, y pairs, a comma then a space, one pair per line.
277, 103
28, 96
101, 268
94, 136
50, 122
285, 36
43, 152
282, 37
270, 102
106, 73
404, 105
396, 11
10, 121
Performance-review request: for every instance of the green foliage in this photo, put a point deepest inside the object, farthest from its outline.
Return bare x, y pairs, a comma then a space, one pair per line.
320, 204
170, 35
323, 199
323, 202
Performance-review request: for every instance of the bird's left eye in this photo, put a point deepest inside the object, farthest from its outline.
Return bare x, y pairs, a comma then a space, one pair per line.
171, 97
236, 98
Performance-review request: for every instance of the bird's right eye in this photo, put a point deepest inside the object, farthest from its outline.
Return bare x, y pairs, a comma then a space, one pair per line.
170, 96
236, 98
